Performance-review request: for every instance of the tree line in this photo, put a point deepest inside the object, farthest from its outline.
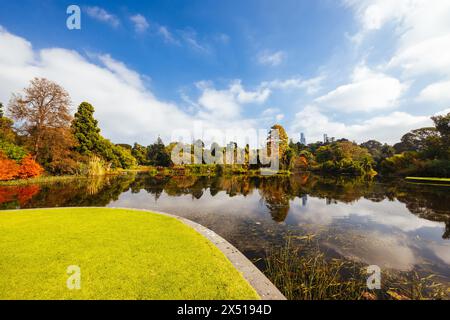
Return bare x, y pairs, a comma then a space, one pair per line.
39, 133
421, 152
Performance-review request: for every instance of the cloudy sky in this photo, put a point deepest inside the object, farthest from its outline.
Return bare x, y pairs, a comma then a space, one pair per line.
357, 69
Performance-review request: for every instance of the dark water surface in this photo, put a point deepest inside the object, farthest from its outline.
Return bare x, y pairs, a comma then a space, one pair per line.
392, 224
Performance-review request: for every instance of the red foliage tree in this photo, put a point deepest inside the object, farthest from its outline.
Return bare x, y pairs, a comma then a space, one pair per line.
9, 169
29, 168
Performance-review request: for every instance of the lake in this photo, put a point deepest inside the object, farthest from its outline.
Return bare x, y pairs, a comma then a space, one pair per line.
393, 224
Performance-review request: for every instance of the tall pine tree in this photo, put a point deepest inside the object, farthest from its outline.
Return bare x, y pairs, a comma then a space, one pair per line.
86, 130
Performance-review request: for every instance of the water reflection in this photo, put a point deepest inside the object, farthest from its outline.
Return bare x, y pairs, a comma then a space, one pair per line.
389, 223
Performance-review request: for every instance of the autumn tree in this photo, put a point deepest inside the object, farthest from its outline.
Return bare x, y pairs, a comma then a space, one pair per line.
43, 116
284, 151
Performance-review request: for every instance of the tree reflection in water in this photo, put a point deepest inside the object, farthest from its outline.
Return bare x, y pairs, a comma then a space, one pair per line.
277, 193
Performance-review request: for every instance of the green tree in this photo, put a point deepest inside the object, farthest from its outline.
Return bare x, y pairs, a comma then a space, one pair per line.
442, 124
158, 154
86, 131
324, 154
6, 127
417, 140
124, 157
90, 141
140, 153
12, 151
345, 157
378, 151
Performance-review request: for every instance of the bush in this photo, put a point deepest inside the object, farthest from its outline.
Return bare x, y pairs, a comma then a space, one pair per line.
436, 168
12, 151
401, 164
9, 169
29, 168
125, 159
95, 166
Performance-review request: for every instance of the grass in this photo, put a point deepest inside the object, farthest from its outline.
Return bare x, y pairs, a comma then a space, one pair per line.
429, 179
41, 180
122, 254
440, 182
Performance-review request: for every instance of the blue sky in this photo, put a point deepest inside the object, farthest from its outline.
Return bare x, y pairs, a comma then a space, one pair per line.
355, 69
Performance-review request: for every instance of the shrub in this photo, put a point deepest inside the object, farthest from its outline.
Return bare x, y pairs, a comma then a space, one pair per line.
95, 166
9, 169
125, 159
12, 151
29, 168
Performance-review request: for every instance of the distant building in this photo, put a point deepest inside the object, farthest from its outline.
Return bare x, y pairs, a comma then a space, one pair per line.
326, 139
302, 139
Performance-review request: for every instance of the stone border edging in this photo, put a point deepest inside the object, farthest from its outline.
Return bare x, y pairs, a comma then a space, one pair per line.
262, 285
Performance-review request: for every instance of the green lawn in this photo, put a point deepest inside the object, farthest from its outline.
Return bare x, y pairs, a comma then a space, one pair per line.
122, 254
429, 179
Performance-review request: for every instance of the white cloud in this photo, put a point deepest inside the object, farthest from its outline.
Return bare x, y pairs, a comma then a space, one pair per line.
270, 112
438, 93
424, 57
228, 103
120, 70
421, 28
140, 23
102, 15
190, 38
167, 35
311, 86
14, 50
244, 96
386, 128
221, 104
271, 58
368, 91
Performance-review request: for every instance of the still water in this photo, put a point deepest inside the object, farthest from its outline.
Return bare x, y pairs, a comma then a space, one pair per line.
392, 224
